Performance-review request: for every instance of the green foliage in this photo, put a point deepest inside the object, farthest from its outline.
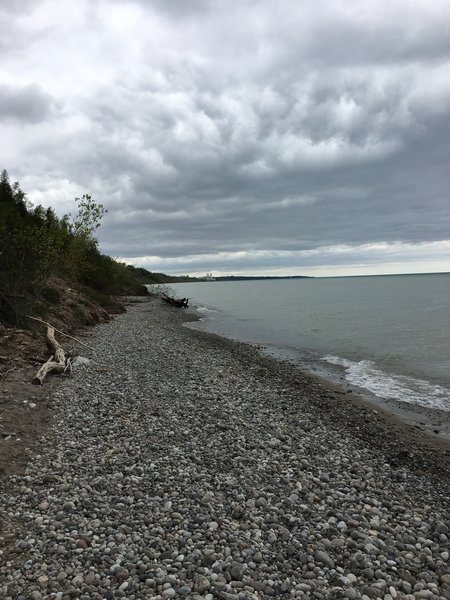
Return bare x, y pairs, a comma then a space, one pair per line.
35, 245
51, 294
152, 278
88, 218
38, 309
77, 311
106, 301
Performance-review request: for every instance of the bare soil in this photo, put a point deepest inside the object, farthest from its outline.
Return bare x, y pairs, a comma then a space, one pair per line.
25, 409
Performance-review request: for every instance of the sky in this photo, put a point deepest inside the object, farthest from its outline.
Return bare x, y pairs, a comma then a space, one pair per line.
237, 136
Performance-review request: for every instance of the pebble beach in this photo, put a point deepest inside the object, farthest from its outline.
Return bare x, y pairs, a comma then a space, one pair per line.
184, 465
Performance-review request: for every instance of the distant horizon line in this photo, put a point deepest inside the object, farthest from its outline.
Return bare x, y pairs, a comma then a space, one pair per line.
243, 277
385, 274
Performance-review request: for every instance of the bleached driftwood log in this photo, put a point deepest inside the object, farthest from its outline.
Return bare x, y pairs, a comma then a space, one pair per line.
56, 363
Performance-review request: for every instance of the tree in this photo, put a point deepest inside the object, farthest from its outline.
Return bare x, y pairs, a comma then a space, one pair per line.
6, 194
11, 195
35, 245
87, 220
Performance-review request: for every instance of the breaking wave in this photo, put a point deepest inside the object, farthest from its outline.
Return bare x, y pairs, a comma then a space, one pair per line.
367, 375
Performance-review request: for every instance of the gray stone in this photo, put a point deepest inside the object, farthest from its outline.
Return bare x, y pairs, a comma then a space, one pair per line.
237, 572
158, 478
324, 558
201, 584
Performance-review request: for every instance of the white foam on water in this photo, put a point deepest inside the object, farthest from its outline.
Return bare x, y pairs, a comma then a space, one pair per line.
206, 313
403, 388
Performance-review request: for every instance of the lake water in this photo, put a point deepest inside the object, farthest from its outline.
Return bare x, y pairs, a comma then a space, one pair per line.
387, 335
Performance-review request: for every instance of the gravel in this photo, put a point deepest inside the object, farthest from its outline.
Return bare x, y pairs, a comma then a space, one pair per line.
182, 465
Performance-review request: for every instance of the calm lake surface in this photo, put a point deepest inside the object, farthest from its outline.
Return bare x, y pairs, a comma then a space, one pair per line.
388, 335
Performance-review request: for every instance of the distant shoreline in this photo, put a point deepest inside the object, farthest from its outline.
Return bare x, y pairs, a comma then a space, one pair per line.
257, 277
199, 279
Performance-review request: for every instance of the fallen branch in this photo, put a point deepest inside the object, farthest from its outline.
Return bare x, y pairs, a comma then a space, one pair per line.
60, 332
5, 373
56, 363
35, 359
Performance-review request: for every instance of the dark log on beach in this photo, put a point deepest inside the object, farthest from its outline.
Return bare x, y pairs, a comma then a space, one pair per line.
179, 303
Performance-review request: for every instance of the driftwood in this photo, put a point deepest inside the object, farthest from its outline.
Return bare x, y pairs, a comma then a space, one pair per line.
179, 303
56, 363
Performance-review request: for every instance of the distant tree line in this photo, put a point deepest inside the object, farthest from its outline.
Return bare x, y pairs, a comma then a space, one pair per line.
36, 244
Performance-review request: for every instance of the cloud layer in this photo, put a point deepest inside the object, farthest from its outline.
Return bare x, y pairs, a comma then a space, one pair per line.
237, 136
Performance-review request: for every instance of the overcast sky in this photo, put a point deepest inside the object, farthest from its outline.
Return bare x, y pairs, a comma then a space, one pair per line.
237, 136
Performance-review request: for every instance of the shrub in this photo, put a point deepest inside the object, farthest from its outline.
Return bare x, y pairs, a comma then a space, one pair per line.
51, 294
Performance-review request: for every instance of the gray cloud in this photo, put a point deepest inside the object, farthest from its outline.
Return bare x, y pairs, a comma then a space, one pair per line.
25, 104
212, 130
18, 6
